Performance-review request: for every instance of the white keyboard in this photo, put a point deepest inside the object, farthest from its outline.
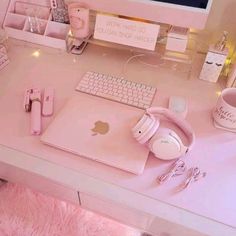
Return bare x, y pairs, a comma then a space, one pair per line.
117, 89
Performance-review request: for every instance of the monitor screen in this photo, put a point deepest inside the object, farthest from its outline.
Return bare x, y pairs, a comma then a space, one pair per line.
183, 13
189, 3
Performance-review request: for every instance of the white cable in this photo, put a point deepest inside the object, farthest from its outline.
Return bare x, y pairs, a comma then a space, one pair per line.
128, 60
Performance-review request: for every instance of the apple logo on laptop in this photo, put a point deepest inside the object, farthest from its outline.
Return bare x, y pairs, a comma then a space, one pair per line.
100, 127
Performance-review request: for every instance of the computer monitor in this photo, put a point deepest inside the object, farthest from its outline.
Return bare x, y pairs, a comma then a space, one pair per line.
182, 13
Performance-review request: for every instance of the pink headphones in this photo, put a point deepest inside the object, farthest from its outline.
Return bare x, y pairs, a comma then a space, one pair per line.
163, 142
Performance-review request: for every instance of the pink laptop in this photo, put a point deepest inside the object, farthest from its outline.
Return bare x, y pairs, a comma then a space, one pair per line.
100, 130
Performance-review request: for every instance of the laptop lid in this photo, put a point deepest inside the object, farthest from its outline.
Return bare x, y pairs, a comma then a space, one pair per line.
98, 129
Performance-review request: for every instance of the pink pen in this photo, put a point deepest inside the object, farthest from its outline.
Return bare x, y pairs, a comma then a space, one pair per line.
35, 119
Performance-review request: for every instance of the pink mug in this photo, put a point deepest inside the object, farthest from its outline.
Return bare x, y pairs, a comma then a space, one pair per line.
224, 113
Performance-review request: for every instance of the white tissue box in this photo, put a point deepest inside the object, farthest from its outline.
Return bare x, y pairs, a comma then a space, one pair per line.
177, 39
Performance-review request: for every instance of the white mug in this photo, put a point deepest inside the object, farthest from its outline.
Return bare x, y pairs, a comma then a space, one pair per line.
224, 113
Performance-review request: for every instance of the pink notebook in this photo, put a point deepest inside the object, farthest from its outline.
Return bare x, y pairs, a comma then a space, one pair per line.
100, 130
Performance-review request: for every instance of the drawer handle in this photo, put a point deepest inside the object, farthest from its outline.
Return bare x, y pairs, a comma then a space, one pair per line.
208, 62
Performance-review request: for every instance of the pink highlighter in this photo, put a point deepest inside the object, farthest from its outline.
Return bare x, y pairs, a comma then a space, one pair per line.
35, 118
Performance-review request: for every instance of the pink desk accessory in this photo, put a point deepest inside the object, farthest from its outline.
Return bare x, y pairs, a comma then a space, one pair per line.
35, 21
79, 20
33, 103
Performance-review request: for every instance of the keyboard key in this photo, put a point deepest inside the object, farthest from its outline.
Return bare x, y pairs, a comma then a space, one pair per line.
108, 96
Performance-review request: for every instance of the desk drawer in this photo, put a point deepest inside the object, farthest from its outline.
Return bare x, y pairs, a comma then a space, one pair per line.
128, 216
135, 218
38, 183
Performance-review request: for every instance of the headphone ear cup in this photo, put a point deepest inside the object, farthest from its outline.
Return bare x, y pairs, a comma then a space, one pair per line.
145, 128
166, 144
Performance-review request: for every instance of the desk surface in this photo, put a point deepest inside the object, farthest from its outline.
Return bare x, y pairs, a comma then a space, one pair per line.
214, 151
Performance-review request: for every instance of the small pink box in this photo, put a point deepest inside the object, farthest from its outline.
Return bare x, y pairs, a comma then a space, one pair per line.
177, 39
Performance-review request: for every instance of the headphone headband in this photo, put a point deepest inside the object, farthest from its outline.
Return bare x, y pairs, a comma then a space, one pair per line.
181, 123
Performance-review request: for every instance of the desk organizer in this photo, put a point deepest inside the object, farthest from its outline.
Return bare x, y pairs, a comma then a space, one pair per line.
17, 23
213, 64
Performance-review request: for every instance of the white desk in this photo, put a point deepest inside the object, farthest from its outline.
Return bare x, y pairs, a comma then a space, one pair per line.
207, 207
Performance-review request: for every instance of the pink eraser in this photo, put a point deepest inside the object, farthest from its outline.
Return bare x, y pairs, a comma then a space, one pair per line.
48, 100
35, 119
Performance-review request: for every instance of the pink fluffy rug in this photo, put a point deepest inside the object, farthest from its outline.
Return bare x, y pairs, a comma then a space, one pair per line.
24, 212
